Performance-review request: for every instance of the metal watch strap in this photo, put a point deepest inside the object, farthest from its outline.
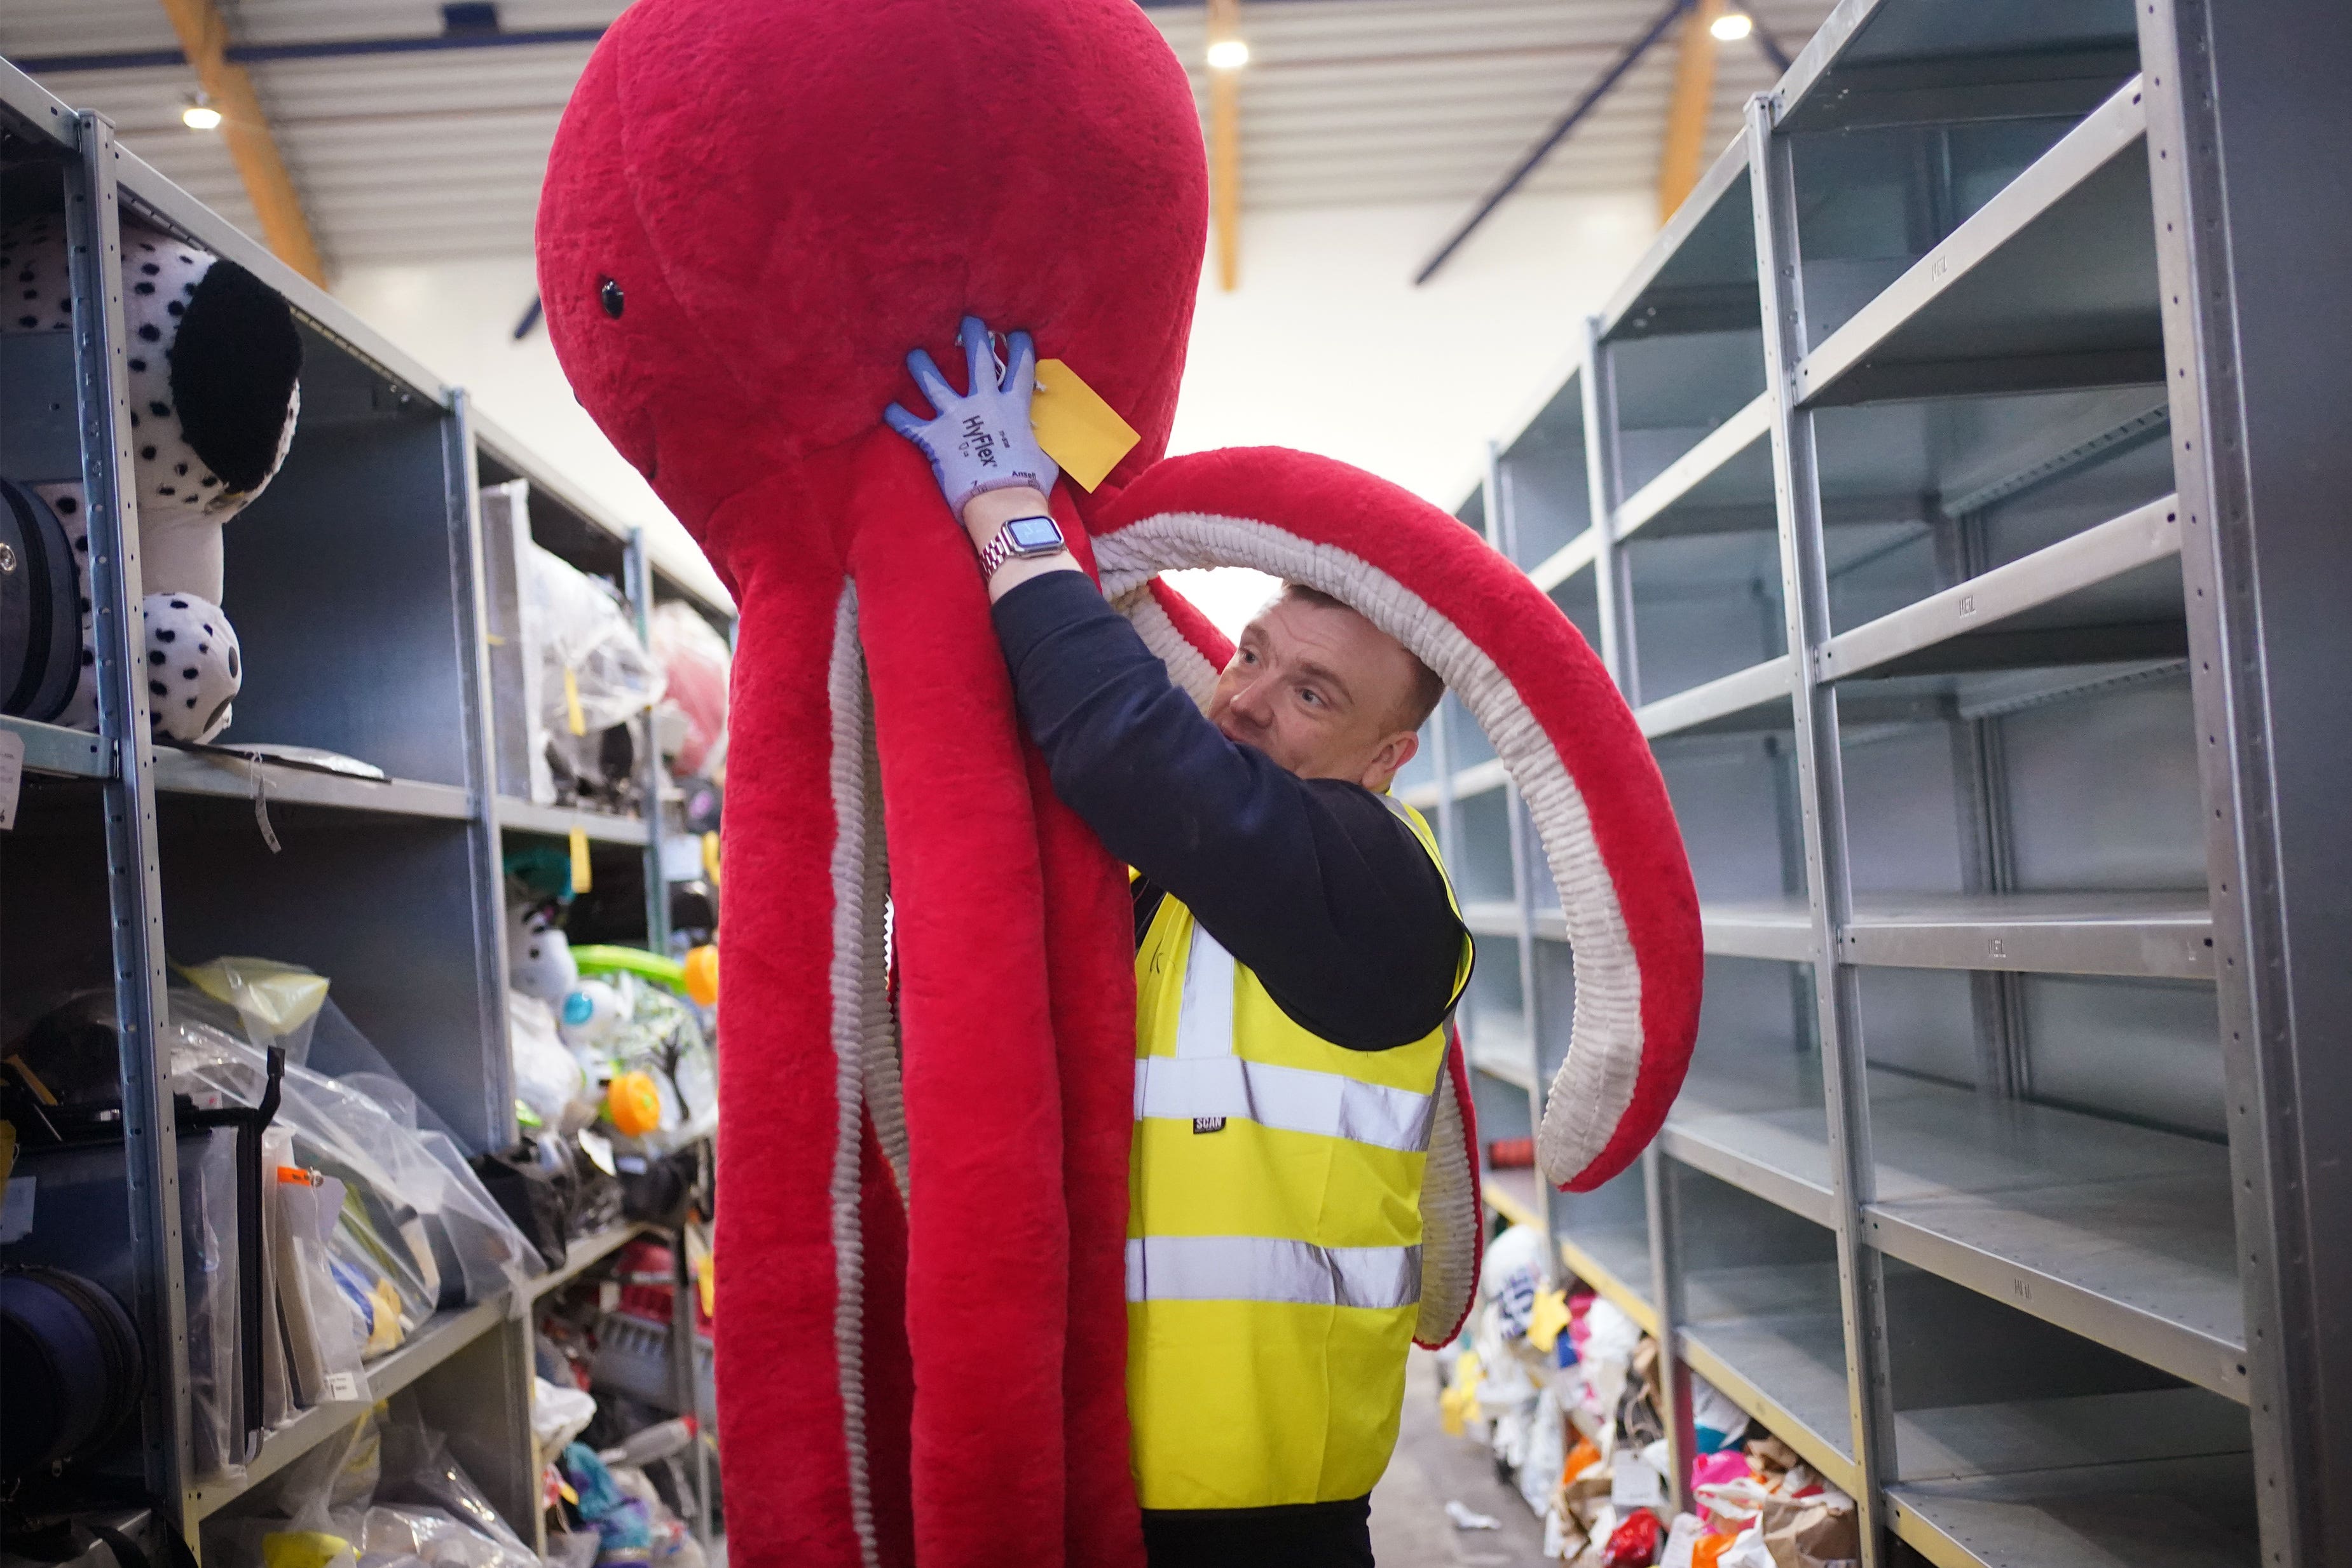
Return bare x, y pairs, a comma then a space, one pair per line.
999, 549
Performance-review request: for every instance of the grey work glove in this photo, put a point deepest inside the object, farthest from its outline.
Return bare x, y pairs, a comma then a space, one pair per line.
978, 440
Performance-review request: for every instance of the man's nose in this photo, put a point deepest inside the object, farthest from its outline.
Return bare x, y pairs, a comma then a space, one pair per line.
1250, 700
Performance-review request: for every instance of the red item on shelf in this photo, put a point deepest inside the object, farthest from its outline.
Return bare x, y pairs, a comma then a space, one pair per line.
1635, 1544
1511, 1154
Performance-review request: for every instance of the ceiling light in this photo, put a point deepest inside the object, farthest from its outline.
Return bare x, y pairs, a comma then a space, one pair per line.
200, 115
1228, 55
1732, 26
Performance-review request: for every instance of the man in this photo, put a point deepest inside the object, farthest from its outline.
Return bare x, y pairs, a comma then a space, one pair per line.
1298, 952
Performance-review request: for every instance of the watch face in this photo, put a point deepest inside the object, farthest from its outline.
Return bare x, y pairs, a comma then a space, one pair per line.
1031, 536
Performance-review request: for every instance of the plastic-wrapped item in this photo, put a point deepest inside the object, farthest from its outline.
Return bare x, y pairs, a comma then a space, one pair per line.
386, 1497
278, 1003
559, 1415
696, 662
420, 1474
548, 1081
326, 1327
594, 674
218, 1418
658, 1034
417, 1224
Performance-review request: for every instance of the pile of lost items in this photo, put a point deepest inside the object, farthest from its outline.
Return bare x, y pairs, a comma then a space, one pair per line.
1564, 1389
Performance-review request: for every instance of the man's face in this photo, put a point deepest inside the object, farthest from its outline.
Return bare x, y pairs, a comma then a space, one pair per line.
1320, 690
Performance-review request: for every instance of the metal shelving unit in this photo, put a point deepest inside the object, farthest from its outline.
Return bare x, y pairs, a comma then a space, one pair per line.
2002, 1188
358, 586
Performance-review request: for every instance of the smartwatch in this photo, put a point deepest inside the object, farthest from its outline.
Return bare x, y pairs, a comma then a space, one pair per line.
1023, 539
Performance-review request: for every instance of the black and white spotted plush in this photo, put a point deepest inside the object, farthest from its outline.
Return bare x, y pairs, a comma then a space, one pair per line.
213, 368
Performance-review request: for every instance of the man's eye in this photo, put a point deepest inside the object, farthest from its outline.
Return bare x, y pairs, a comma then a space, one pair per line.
1311, 696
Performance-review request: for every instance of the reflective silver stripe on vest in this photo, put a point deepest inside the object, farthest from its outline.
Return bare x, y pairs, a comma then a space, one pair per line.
1292, 1099
1205, 1079
1267, 1269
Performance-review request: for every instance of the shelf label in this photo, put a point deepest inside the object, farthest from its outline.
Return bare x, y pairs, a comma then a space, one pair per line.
580, 879
572, 716
12, 774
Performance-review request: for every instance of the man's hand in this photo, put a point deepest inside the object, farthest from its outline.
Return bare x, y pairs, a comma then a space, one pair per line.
979, 441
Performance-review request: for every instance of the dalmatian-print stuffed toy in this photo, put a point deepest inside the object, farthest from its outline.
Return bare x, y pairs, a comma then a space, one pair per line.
539, 956
213, 365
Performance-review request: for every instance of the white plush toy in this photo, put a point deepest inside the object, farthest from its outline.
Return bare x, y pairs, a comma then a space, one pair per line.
539, 956
214, 364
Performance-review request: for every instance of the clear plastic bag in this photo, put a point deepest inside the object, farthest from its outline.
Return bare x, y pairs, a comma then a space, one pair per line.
209, 1251
418, 1228
278, 1003
387, 1495
419, 1476
696, 662
595, 672
325, 1331
661, 1036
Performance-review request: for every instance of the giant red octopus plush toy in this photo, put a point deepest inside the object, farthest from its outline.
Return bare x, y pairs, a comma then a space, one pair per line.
753, 210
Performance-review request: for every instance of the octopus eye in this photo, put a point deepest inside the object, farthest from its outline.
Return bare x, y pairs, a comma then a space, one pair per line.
610, 293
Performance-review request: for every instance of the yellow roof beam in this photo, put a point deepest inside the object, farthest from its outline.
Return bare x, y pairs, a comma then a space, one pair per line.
1687, 110
1225, 138
203, 38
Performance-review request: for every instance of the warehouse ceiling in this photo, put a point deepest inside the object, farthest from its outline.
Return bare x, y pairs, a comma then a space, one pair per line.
423, 154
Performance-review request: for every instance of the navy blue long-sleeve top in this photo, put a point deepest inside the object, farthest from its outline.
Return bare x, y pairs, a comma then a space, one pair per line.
1314, 885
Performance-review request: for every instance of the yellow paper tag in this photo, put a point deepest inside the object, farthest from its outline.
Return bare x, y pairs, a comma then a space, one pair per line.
577, 720
580, 879
1078, 431
711, 857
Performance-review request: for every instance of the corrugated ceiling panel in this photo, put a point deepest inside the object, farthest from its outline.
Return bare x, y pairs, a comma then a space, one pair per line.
411, 156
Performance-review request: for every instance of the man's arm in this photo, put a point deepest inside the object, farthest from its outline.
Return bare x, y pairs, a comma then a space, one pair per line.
1312, 884
1328, 898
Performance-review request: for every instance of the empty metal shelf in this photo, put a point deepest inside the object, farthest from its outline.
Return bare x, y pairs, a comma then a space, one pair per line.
2052, 283
1699, 274
1615, 1262
2165, 1513
1708, 709
1705, 478
2165, 934
1788, 1371
1781, 930
2120, 1234
2111, 591
1918, 61
1512, 1194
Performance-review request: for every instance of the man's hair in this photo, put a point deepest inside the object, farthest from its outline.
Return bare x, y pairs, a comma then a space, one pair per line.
1427, 689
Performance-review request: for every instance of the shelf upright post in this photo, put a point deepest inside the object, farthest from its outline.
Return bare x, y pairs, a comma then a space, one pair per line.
640, 571
151, 1147
1502, 533
2250, 238
1612, 586
1821, 787
484, 842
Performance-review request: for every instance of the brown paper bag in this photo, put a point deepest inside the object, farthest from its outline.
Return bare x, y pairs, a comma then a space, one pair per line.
1814, 1537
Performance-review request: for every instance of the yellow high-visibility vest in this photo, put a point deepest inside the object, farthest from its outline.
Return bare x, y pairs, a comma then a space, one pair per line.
1273, 1232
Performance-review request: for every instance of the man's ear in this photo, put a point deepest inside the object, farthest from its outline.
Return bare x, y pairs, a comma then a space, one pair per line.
1389, 760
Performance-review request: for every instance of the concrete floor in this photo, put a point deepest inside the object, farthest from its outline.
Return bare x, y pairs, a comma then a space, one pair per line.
1410, 1529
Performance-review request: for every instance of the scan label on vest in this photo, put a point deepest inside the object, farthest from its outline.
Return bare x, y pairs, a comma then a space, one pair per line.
1208, 1124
